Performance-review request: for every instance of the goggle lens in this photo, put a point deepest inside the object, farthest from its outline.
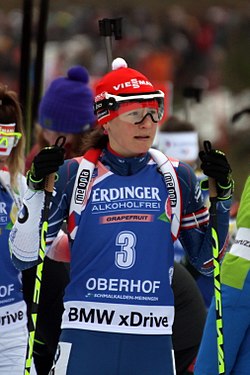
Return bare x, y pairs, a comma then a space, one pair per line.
136, 106
138, 115
8, 141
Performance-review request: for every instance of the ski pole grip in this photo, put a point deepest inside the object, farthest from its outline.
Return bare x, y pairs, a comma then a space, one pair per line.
107, 28
212, 187
50, 179
49, 182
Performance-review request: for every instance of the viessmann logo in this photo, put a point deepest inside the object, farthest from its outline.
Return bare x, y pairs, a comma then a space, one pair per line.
134, 83
82, 185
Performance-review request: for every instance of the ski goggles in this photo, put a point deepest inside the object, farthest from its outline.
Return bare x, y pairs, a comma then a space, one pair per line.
8, 140
133, 108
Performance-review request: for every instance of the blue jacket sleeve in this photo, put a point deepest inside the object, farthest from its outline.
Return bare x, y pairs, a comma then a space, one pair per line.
195, 234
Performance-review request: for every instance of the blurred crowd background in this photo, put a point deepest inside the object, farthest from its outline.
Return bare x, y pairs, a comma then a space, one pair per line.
185, 43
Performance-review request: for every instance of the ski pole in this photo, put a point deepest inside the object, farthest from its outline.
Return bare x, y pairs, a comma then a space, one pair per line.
25, 67
49, 185
39, 61
216, 264
107, 28
190, 94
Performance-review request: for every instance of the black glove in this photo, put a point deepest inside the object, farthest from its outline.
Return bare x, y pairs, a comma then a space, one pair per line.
215, 165
47, 161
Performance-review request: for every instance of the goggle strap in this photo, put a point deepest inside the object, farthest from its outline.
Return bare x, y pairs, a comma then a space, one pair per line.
111, 102
148, 96
10, 134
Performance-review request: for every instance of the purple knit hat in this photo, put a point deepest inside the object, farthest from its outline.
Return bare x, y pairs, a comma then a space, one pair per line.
67, 105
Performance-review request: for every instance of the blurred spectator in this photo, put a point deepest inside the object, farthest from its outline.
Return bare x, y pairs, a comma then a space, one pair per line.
65, 109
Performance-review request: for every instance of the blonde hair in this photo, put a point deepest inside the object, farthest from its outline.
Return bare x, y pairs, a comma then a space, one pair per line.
10, 112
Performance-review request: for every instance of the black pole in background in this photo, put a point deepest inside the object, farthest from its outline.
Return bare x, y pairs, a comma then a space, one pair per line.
107, 28
24, 72
39, 61
190, 94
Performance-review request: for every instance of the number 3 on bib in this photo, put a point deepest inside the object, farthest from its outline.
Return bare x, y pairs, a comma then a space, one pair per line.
125, 257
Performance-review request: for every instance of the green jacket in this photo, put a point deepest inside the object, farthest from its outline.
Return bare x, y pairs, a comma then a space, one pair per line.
236, 263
